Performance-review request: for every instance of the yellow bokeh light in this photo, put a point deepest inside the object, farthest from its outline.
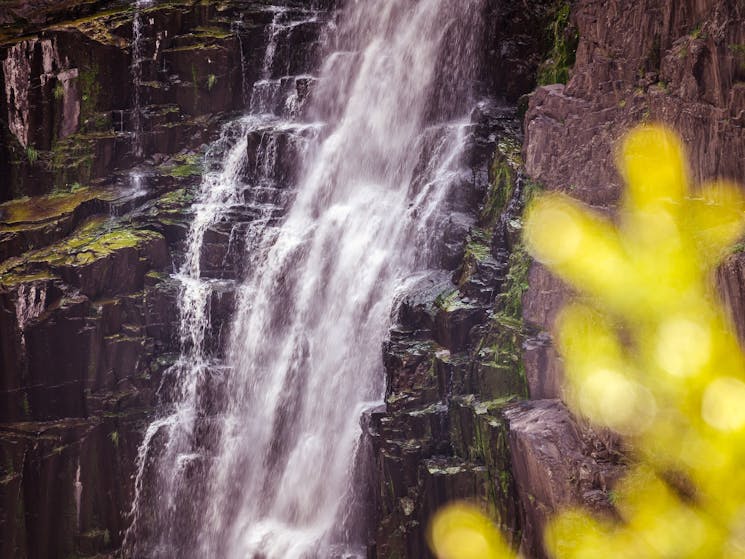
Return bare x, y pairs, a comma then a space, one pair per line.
683, 346
613, 400
462, 532
653, 165
723, 405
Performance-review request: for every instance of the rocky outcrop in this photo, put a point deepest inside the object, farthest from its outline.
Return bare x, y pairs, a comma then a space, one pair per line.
680, 63
88, 325
456, 360
677, 63
653, 61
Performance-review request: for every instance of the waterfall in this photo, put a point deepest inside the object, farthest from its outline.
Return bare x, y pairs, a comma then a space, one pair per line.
30, 303
78, 491
138, 55
258, 451
237, 28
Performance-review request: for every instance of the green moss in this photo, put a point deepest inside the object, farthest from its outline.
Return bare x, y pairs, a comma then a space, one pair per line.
507, 160
499, 372
153, 84
211, 32
511, 151
17, 277
698, 33
487, 443
478, 249
505, 480
663, 86
59, 91
185, 165
92, 241
32, 154
178, 197
100, 24
186, 170
156, 276
90, 89
564, 40
72, 157
530, 189
500, 190
450, 301
516, 282
43, 208
479, 241
738, 52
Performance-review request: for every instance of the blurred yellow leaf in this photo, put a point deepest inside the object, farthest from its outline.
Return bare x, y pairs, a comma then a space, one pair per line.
461, 531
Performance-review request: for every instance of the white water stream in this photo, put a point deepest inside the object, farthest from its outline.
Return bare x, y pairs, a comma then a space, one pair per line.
277, 475
138, 56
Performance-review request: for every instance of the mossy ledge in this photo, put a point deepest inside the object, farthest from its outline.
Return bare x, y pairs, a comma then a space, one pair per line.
96, 239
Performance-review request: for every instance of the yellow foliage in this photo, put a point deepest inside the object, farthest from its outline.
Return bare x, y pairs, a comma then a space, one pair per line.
462, 532
650, 353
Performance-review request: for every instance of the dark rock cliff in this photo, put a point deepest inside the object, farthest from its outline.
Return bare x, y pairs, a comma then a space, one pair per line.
680, 63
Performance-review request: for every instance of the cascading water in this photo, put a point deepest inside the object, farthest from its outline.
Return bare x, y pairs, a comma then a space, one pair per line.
30, 303
138, 55
237, 28
257, 454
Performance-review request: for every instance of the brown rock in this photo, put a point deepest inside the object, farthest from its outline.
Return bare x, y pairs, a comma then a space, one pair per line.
556, 464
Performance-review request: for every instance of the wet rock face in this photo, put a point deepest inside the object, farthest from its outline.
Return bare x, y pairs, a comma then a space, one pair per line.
515, 45
56, 491
88, 323
59, 89
454, 360
76, 90
88, 307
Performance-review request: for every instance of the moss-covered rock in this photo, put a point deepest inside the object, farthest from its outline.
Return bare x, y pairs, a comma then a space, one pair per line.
96, 259
564, 40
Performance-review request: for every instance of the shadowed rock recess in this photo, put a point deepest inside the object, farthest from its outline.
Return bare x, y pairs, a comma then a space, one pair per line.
214, 214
